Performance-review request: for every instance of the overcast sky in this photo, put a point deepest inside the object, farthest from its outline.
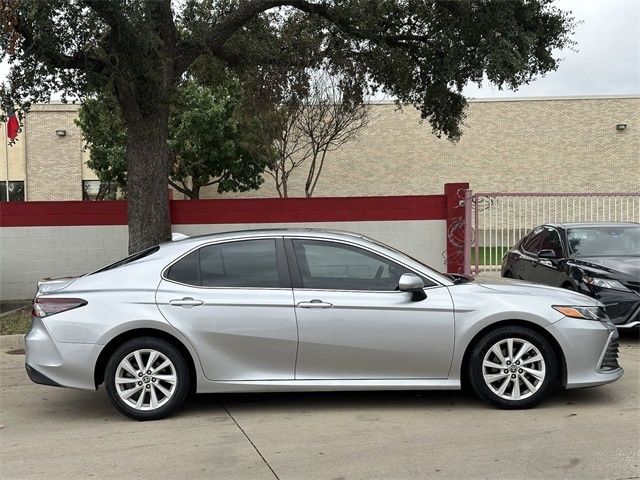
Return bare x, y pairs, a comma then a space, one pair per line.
607, 60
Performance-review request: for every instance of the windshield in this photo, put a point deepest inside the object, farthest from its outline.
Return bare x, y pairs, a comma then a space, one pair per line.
604, 241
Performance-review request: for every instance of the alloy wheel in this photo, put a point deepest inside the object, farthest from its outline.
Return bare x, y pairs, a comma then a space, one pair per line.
513, 369
146, 379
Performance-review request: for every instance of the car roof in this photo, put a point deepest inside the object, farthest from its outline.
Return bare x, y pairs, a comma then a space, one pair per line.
261, 232
593, 224
275, 231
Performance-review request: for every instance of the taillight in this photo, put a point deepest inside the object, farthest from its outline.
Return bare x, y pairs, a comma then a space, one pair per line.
44, 307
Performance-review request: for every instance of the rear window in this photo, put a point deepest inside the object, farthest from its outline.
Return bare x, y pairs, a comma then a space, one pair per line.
131, 258
243, 264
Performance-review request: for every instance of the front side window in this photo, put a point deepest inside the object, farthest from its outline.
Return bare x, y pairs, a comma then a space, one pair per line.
551, 241
249, 263
335, 266
532, 243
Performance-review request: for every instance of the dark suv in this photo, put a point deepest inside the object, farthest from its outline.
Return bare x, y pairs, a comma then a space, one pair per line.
601, 260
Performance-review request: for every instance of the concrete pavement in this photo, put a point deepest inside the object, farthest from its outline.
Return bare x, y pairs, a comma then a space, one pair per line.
56, 433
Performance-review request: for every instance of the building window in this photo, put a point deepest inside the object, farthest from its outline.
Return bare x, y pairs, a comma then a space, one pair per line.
99, 190
16, 191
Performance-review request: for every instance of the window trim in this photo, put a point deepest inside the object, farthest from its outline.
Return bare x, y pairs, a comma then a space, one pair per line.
296, 276
281, 265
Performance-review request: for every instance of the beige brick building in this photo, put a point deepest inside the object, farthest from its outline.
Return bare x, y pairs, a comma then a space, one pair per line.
520, 145
524, 145
48, 155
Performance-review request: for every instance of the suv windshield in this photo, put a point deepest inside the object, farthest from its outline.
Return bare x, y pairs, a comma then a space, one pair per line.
604, 241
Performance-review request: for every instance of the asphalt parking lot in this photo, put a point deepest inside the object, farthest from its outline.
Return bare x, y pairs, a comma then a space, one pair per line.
51, 433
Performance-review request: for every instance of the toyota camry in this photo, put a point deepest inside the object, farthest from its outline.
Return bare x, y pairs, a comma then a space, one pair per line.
308, 310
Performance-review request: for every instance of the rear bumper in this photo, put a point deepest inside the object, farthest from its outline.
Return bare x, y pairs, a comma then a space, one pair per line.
37, 377
60, 364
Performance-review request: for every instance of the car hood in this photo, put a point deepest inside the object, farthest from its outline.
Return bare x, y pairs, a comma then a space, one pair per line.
559, 296
627, 266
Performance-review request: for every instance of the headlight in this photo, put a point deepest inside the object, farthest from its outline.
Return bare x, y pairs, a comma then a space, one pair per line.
587, 313
604, 283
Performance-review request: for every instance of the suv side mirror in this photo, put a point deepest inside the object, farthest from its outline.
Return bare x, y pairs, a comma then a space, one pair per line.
414, 284
547, 254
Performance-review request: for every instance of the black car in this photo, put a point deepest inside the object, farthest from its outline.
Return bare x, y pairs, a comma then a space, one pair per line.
601, 260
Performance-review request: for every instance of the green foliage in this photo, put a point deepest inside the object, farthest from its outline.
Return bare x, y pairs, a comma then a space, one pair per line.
211, 139
212, 142
105, 136
420, 52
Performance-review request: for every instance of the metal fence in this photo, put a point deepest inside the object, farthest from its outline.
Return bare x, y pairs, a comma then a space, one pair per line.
501, 219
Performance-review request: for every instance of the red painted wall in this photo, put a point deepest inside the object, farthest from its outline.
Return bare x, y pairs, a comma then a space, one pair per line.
263, 210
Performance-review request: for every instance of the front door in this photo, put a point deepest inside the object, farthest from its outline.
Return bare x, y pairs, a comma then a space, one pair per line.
234, 303
546, 270
353, 322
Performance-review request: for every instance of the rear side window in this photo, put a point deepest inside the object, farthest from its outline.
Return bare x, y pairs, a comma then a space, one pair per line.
249, 263
187, 270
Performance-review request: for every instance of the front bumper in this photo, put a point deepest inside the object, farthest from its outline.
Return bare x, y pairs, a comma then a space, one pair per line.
588, 350
61, 364
623, 307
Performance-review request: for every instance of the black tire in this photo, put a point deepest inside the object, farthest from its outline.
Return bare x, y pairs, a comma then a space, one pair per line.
492, 338
180, 368
508, 274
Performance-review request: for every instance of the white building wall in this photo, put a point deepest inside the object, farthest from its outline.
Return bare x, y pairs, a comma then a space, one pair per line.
29, 254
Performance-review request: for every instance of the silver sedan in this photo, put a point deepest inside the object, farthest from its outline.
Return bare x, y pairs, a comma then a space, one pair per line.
293, 310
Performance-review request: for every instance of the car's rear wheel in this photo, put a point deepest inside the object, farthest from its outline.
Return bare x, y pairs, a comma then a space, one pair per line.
513, 367
147, 378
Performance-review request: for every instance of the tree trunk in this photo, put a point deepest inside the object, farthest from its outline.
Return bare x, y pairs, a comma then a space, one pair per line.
147, 179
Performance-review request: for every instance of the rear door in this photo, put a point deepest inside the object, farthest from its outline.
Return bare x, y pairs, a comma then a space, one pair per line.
355, 324
233, 301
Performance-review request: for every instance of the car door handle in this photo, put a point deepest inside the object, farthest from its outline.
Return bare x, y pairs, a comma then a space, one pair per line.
186, 302
315, 303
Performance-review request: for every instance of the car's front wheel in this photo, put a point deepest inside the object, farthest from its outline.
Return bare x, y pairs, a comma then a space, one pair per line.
147, 378
513, 367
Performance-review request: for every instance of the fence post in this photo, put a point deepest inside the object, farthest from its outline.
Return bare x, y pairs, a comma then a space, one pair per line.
468, 229
455, 195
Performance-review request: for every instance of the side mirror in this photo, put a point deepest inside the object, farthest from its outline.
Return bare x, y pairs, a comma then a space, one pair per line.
414, 284
547, 254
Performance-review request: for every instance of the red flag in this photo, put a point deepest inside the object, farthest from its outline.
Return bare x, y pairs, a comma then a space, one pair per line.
12, 124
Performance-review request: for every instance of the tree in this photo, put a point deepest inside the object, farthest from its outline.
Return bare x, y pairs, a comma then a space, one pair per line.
210, 140
422, 52
212, 143
310, 125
